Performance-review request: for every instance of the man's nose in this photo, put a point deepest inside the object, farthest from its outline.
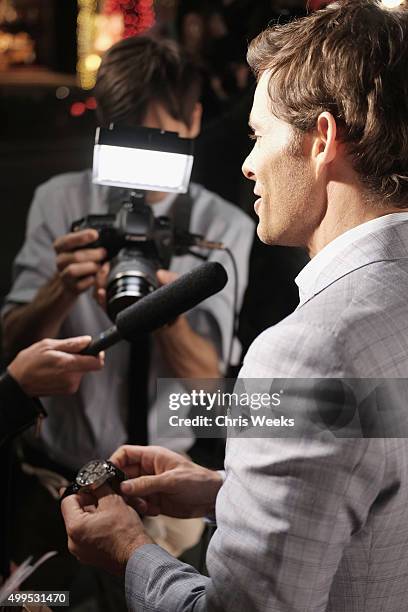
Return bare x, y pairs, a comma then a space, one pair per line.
247, 169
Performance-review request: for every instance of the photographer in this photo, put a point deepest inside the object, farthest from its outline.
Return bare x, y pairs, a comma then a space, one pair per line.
59, 286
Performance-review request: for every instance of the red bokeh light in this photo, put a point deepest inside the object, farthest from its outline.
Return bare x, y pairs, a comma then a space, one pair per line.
90, 103
138, 15
77, 109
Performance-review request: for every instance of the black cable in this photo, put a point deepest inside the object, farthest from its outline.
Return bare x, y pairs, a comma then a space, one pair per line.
236, 311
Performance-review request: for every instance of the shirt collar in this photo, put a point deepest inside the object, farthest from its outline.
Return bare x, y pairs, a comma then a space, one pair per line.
307, 279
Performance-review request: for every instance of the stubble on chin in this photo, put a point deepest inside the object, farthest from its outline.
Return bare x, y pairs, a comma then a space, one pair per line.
285, 215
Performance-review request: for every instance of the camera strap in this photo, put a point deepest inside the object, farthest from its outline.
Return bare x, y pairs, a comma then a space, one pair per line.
181, 212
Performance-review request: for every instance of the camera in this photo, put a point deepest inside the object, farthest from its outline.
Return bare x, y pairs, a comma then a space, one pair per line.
137, 244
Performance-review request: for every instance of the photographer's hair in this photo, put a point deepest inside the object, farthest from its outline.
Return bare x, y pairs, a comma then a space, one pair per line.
350, 59
141, 69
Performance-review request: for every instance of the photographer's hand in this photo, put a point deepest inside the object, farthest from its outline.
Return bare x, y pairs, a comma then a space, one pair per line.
78, 265
77, 268
100, 284
164, 482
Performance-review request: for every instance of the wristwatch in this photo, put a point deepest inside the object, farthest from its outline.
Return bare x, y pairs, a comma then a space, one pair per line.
94, 474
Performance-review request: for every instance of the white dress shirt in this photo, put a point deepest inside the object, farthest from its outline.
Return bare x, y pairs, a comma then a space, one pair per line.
306, 280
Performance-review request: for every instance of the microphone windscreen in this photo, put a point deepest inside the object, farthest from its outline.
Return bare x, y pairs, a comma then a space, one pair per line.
168, 302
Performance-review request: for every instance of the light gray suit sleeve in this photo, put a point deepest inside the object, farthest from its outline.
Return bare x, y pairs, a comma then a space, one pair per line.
157, 581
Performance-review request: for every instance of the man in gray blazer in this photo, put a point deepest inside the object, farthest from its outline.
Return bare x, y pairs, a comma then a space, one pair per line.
305, 522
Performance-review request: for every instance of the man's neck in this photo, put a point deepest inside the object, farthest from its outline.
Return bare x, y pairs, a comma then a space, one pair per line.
347, 207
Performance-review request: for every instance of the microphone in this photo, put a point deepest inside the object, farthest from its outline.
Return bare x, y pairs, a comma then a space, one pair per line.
162, 305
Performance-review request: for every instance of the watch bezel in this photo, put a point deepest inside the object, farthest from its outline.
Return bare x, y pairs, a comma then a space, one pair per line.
99, 481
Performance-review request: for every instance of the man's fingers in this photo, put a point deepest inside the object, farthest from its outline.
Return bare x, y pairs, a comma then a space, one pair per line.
72, 509
106, 496
133, 471
166, 276
100, 296
140, 505
102, 275
86, 500
71, 345
75, 240
144, 507
70, 360
84, 363
83, 255
77, 271
128, 455
144, 486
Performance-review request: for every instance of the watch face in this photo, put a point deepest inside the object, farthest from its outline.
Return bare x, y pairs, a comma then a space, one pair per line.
93, 473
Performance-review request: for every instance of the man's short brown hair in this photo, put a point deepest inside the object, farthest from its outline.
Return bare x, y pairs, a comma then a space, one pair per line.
350, 59
140, 70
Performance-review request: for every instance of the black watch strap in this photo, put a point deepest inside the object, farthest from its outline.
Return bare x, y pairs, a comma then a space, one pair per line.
117, 476
70, 490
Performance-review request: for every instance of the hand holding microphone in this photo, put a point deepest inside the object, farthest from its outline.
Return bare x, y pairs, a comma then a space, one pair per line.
53, 367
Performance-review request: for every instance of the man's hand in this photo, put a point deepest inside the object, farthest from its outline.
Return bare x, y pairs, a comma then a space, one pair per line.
165, 277
78, 265
101, 280
53, 367
102, 529
164, 482
77, 270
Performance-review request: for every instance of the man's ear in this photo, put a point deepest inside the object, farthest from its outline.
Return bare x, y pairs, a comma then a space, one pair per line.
195, 127
325, 144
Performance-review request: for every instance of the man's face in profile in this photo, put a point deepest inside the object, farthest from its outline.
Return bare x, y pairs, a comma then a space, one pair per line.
284, 179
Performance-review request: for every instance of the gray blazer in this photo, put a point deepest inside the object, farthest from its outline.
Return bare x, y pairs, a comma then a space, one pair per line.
311, 523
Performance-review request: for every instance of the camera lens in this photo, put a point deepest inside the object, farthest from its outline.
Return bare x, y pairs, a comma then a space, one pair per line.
125, 290
132, 277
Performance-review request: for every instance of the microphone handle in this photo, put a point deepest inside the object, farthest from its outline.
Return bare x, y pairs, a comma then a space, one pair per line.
105, 340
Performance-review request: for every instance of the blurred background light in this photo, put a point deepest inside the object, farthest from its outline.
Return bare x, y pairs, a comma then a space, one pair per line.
77, 109
92, 62
62, 92
392, 3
